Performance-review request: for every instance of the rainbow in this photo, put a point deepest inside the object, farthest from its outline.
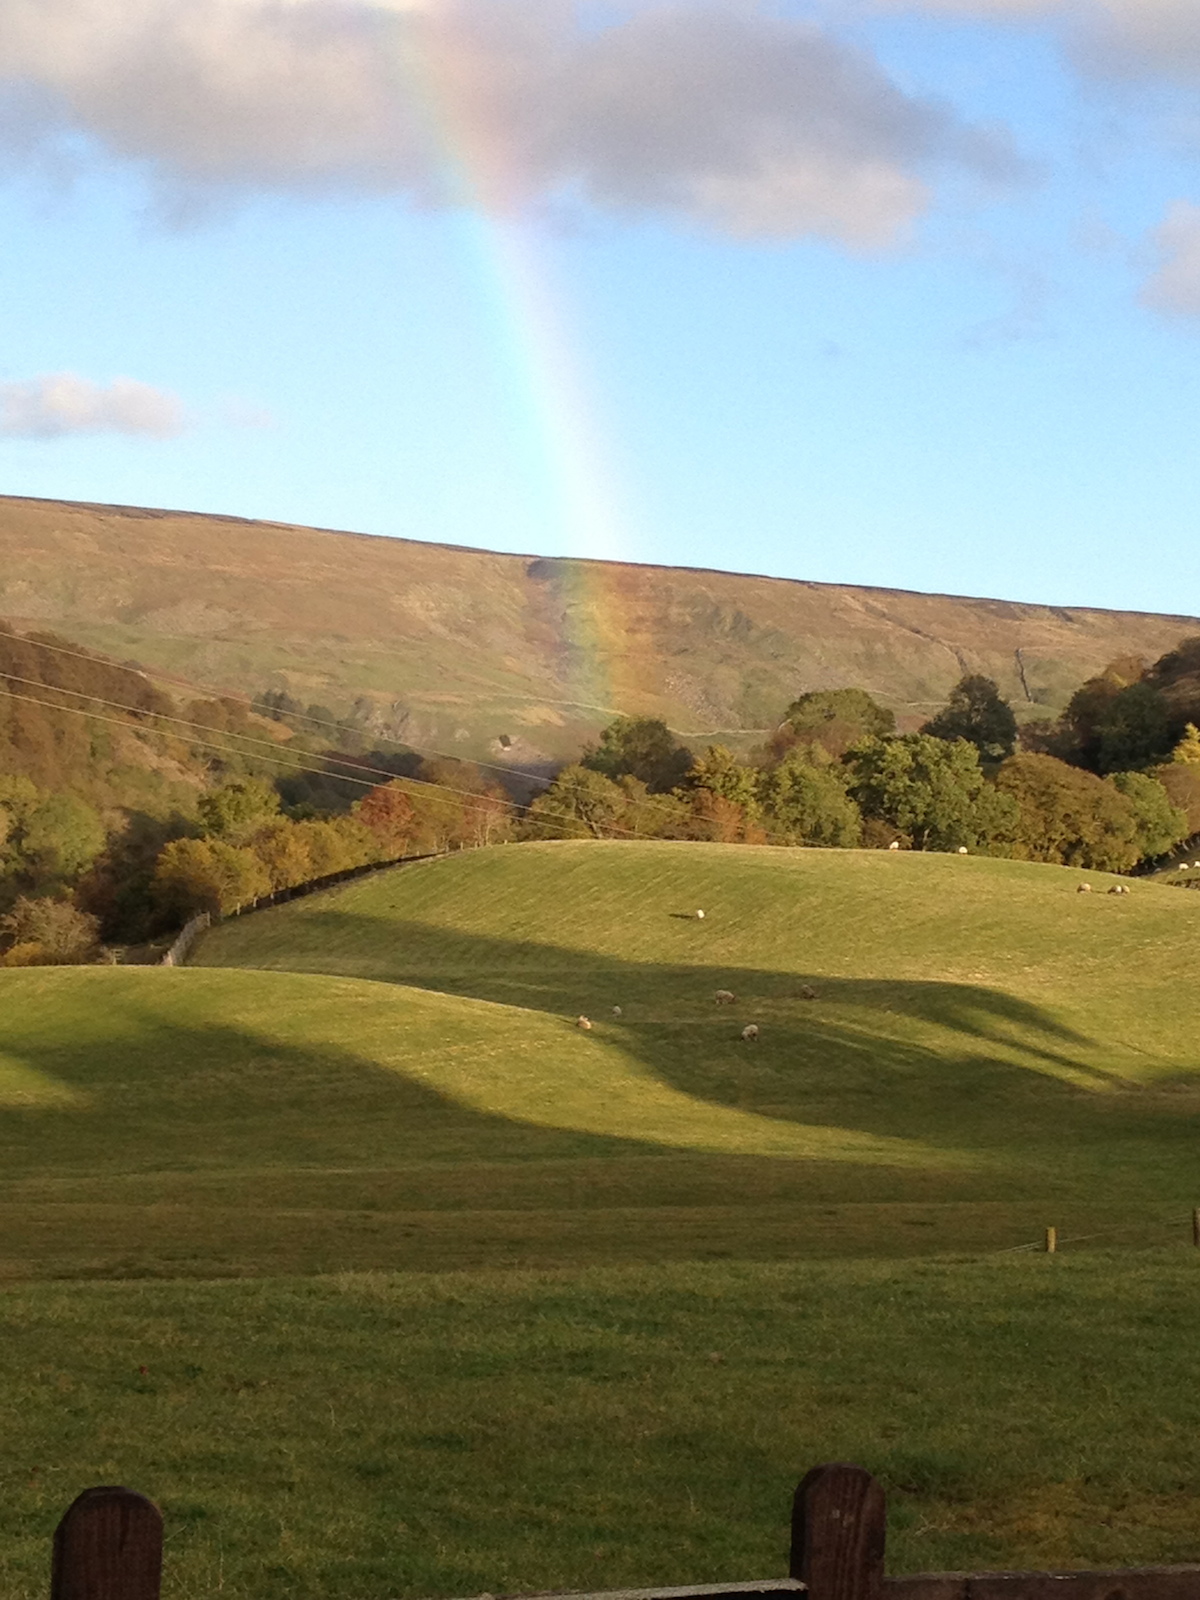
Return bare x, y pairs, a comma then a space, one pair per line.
552, 416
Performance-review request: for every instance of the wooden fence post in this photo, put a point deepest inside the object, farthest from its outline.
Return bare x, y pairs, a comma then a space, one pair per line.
108, 1546
839, 1525
1051, 1241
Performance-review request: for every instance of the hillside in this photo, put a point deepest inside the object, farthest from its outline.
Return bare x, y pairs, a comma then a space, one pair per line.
390, 1074
519, 658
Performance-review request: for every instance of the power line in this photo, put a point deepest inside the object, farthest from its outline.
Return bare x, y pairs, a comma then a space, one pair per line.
478, 801
162, 716
245, 700
80, 655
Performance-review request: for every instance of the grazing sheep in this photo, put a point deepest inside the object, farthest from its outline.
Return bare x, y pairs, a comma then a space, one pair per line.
1084, 888
963, 851
617, 1012
895, 845
699, 916
582, 1022
726, 997
750, 1033
807, 992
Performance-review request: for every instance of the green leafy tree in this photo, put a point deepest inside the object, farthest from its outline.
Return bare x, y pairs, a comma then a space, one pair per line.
720, 772
835, 719
1134, 730
977, 713
1161, 824
1067, 815
1181, 780
1187, 751
235, 811
930, 791
803, 801
579, 804
62, 836
640, 747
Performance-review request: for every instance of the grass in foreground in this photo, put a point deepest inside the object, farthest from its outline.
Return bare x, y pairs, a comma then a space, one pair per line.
387, 1435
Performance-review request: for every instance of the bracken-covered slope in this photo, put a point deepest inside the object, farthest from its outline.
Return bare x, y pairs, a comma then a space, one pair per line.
515, 657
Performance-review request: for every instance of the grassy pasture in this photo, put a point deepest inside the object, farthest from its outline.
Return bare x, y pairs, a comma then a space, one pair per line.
988, 1052
670, 1287
391, 1435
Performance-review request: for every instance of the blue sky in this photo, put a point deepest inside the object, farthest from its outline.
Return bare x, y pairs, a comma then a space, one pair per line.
897, 292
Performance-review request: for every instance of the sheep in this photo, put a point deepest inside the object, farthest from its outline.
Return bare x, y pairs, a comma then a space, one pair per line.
726, 997
1084, 888
807, 992
750, 1033
699, 916
963, 851
895, 845
582, 1022
617, 1012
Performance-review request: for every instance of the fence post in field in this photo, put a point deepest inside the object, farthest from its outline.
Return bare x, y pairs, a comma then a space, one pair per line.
1051, 1241
1196, 1227
108, 1546
839, 1525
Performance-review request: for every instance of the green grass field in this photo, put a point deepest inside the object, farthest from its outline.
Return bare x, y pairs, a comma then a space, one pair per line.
438, 1293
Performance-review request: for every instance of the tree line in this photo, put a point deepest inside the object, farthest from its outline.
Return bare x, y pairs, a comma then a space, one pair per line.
123, 812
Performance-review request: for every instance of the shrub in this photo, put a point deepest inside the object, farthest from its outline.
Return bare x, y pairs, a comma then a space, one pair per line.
47, 932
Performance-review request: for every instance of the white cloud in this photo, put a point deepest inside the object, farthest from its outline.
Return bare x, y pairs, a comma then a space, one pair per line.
1175, 285
61, 403
725, 114
1113, 37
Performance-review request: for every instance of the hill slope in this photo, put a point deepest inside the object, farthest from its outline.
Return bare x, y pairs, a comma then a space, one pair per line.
414, 1092
517, 657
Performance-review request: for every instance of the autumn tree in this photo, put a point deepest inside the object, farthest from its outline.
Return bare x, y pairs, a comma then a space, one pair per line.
1067, 815
194, 875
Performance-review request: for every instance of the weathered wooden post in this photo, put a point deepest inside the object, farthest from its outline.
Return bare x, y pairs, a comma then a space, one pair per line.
108, 1546
839, 1526
1051, 1241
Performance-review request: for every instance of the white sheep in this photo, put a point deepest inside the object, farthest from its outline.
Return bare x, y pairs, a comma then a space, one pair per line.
726, 997
699, 916
895, 845
963, 851
617, 1012
1084, 888
584, 1023
750, 1033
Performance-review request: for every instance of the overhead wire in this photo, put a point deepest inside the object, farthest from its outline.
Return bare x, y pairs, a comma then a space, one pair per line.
151, 674
244, 700
474, 800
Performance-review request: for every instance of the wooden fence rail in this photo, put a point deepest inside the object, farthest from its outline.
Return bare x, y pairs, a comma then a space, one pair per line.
109, 1547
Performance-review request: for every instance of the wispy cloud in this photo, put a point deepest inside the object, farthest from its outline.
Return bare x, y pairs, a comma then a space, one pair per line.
1175, 285
728, 115
59, 404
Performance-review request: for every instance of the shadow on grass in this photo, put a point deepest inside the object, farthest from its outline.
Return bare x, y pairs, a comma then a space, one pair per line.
952, 1065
